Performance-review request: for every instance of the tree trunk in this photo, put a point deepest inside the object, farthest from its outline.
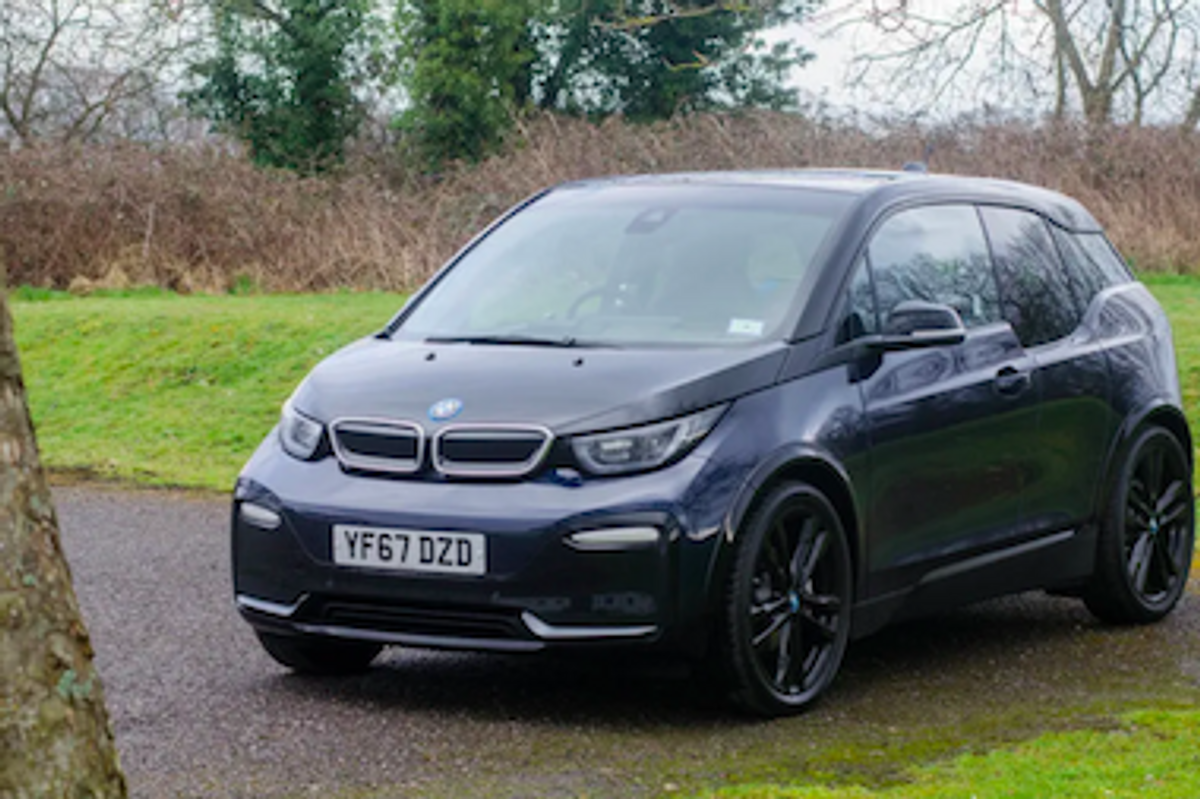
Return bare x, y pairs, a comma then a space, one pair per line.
1095, 95
1060, 86
1097, 105
1192, 119
54, 735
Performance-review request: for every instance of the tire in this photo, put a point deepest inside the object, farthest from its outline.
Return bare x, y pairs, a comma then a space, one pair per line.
1147, 533
787, 602
320, 656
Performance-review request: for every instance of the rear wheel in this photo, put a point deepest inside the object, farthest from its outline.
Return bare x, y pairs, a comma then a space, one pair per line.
312, 655
1146, 537
788, 601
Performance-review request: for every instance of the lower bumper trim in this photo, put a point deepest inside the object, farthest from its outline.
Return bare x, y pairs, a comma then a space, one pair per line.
549, 632
264, 606
543, 631
424, 641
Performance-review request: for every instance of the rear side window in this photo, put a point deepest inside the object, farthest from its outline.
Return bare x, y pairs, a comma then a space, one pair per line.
1084, 275
1038, 300
1101, 253
936, 254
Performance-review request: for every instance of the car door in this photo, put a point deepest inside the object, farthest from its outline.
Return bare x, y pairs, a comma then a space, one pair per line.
1045, 300
950, 427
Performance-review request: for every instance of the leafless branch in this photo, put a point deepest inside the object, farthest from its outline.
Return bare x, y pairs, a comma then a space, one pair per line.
1110, 59
66, 66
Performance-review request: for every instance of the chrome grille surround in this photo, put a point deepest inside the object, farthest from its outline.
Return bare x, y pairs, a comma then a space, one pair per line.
535, 438
394, 433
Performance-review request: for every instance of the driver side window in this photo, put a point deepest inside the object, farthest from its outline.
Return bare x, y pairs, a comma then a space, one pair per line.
935, 254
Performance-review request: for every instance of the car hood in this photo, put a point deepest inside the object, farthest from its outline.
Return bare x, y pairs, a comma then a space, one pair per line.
568, 390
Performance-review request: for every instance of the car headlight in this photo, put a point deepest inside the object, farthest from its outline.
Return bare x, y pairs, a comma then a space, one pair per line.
298, 434
641, 448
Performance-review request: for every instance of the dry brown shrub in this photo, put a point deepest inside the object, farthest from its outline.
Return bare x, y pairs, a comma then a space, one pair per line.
204, 219
197, 219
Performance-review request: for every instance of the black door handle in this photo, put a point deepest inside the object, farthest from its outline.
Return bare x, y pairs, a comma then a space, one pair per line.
1011, 381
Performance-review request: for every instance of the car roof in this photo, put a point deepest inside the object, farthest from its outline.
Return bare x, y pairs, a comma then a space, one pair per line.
882, 188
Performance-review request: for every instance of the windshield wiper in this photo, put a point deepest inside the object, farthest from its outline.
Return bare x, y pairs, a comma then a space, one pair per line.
512, 339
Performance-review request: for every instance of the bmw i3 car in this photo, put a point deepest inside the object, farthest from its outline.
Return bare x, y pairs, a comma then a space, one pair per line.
743, 417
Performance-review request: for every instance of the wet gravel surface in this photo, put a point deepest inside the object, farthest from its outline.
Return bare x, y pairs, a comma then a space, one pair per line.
200, 711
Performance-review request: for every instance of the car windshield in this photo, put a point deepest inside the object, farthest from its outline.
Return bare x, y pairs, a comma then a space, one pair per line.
627, 265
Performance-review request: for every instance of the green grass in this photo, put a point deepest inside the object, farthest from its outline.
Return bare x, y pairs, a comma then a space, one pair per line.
1180, 296
1153, 754
163, 389
168, 390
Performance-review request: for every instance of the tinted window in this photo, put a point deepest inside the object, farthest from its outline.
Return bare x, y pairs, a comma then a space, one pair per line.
937, 254
1101, 253
859, 317
1083, 275
1038, 301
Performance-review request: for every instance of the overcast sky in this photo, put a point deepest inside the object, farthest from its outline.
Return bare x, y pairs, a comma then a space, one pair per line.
827, 77
824, 76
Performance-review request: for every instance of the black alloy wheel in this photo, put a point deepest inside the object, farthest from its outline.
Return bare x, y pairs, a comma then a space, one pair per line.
319, 656
1145, 546
788, 602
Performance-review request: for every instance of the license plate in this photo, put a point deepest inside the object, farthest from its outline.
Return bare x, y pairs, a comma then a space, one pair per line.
409, 550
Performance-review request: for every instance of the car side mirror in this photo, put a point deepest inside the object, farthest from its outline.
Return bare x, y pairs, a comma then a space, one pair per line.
916, 323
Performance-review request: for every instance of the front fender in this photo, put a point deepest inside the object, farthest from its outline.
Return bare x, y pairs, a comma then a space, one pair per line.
802, 462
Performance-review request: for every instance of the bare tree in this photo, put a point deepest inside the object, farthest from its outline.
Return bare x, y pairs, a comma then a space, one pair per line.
1119, 49
67, 66
54, 735
1108, 60
1190, 67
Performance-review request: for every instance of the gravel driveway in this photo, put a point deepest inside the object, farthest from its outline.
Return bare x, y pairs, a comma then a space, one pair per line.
199, 711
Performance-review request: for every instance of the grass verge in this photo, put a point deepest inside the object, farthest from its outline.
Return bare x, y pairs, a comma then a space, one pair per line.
162, 389
1150, 754
1180, 296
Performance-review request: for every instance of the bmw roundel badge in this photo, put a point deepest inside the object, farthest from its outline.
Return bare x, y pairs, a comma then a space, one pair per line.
446, 409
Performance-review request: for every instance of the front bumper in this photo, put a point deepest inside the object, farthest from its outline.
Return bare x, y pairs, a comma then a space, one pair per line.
443, 630
539, 590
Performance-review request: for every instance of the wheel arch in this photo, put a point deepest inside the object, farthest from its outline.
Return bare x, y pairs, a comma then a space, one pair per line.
800, 464
1109, 593
1173, 420
1162, 414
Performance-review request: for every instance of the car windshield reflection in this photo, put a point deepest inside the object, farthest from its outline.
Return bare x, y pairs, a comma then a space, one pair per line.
635, 266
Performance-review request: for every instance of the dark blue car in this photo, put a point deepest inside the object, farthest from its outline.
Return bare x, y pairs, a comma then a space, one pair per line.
746, 417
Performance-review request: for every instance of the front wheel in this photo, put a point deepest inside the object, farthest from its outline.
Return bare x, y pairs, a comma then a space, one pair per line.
1146, 536
324, 656
787, 602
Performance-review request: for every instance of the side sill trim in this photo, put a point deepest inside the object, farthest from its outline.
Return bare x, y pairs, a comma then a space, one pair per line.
279, 609
989, 558
549, 632
424, 641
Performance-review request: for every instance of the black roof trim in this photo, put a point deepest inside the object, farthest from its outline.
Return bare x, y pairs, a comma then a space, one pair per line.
881, 187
